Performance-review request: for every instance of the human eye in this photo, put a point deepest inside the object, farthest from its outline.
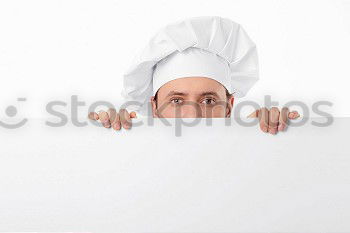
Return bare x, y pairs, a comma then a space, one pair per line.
208, 101
176, 101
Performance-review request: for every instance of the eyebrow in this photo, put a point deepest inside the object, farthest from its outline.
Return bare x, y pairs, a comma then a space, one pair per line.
209, 93
186, 94
177, 93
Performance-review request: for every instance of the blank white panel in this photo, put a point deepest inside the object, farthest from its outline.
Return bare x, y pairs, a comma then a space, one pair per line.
209, 179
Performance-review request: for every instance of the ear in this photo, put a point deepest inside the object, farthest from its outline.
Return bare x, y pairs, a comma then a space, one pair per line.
154, 107
229, 106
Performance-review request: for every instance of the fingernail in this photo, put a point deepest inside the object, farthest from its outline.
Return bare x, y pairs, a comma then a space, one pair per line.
106, 125
265, 129
272, 131
281, 127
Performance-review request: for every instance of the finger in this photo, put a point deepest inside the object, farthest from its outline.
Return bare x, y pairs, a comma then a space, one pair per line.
274, 115
254, 114
104, 118
93, 116
133, 115
113, 118
125, 119
283, 120
116, 124
112, 115
264, 119
293, 115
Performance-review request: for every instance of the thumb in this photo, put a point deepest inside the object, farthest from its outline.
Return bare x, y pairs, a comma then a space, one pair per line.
133, 115
293, 115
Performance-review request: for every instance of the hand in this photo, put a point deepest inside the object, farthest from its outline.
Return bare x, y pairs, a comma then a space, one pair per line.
114, 119
273, 121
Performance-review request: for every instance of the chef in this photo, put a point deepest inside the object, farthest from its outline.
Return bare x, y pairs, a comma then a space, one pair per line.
193, 68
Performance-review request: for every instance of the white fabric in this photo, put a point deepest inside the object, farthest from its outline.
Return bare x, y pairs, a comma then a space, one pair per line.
190, 63
219, 36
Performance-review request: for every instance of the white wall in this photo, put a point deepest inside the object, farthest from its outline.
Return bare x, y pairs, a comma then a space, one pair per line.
53, 49
210, 179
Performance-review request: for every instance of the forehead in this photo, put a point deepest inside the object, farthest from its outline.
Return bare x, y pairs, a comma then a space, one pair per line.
192, 85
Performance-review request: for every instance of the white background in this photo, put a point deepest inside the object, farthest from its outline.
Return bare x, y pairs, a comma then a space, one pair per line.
211, 179
50, 50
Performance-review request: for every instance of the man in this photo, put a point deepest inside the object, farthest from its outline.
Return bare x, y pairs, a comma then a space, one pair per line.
194, 68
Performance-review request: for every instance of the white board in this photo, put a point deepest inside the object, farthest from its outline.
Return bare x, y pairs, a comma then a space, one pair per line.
209, 179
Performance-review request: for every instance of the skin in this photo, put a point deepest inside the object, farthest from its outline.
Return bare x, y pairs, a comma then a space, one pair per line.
195, 97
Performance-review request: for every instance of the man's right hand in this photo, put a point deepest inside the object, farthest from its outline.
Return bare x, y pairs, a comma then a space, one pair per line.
113, 119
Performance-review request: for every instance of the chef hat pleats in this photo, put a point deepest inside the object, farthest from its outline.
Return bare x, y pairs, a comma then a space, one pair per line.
219, 36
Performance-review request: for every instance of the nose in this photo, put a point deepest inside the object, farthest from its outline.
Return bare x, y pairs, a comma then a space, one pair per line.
190, 110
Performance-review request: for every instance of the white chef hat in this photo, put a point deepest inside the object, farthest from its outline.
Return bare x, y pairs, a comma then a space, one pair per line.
207, 46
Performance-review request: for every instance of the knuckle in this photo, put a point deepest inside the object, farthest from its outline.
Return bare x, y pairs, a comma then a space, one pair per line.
274, 110
112, 114
104, 116
264, 109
